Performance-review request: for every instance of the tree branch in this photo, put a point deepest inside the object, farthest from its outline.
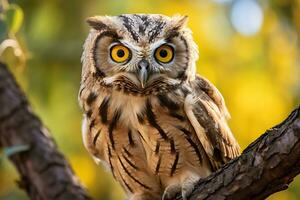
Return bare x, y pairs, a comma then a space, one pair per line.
44, 172
266, 166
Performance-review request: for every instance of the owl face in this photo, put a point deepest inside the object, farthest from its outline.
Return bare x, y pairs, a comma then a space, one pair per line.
139, 53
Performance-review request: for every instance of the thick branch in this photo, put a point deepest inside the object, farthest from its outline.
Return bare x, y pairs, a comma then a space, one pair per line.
266, 166
44, 172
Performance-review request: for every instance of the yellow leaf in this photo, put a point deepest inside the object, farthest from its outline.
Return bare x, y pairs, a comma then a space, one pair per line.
13, 18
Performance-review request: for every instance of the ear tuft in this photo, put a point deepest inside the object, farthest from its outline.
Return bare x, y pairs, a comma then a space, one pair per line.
96, 23
180, 21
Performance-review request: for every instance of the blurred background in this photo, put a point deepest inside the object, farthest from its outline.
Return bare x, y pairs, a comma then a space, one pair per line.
249, 49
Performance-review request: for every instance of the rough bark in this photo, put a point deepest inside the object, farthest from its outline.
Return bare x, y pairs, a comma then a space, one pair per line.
44, 172
266, 166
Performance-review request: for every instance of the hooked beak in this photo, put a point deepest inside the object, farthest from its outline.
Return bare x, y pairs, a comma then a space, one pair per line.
143, 72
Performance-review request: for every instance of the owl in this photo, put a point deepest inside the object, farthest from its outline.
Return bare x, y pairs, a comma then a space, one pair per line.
148, 117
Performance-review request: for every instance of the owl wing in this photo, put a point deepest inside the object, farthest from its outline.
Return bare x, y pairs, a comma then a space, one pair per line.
206, 111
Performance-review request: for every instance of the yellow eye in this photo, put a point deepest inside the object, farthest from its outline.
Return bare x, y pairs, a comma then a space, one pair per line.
119, 53
164, 53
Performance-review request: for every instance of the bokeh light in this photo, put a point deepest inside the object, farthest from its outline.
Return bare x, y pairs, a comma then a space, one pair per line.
246, 16
223, 1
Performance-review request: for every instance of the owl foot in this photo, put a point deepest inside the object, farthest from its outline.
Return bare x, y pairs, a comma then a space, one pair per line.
171, 192
185, 189
188, 187
143, 196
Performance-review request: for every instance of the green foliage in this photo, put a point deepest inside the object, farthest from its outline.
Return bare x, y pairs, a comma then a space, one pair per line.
3, 31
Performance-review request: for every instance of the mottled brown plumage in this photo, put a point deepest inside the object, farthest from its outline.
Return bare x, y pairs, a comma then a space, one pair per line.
148, 117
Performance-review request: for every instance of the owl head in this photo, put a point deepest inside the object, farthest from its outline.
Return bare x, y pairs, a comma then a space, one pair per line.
139, 53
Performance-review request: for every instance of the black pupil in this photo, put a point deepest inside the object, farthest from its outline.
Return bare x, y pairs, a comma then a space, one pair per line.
120, 53
163, 53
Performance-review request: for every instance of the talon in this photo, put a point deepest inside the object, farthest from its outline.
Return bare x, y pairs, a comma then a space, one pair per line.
171, 192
